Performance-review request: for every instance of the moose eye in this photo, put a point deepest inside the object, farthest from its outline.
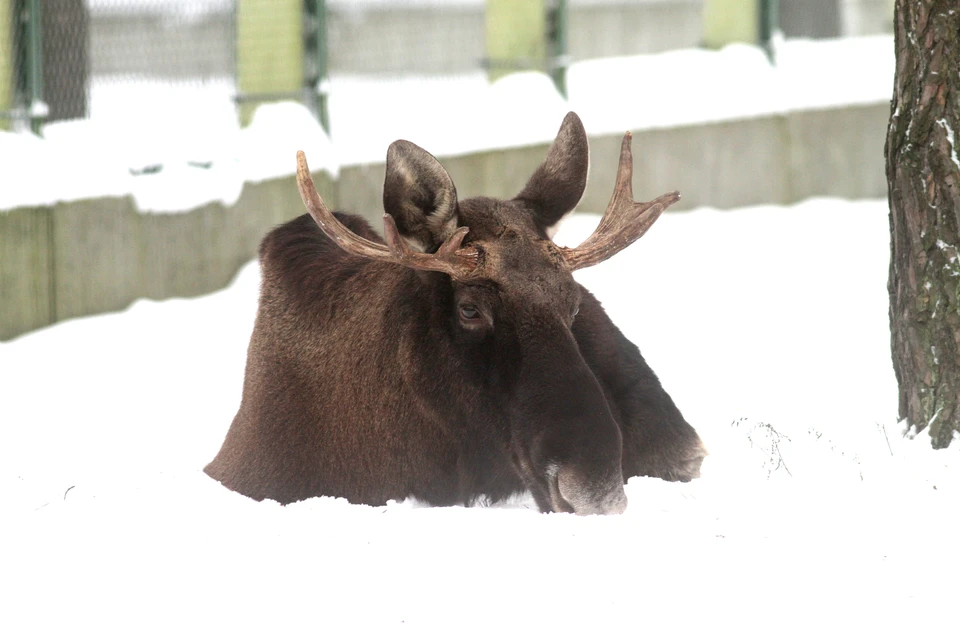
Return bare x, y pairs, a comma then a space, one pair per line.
469, 313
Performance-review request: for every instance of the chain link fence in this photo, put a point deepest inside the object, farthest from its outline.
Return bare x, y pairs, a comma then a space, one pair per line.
834, 18
68, 59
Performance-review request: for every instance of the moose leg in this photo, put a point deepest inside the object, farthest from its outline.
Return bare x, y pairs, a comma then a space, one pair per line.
657, 441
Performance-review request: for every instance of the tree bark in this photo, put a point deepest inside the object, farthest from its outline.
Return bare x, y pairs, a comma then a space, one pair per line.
923, 176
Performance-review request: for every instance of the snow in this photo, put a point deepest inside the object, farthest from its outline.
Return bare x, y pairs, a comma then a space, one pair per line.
952, 139
171, 9
814, 516
177, 146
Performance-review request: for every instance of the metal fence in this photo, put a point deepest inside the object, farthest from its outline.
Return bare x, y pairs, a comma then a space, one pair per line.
67, 59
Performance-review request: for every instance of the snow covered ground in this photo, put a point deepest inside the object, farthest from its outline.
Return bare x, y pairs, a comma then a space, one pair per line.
814, 517
174, 147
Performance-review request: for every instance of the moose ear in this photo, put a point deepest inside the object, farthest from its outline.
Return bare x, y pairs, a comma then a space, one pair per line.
557, 185
420, 195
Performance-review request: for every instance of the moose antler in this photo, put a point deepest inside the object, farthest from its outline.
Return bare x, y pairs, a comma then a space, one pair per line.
450, 258
623, 222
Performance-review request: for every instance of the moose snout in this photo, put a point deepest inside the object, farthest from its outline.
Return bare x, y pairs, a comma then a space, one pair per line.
586, 498
617, 503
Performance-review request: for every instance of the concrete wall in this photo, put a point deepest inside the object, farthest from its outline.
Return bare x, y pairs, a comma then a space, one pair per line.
775, 159
26, 271
91, 256
781, 158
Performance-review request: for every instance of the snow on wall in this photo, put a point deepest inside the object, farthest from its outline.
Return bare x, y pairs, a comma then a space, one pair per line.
174, 148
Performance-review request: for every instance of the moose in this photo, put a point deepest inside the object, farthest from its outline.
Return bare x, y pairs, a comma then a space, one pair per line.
456, 358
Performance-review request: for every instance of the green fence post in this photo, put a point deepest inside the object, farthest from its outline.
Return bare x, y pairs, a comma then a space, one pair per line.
769, 25
728, 21
559, 55
6, 63
269, 53
36, 109
316, 62
516, 34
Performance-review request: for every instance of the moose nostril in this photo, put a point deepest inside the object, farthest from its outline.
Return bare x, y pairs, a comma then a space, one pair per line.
618, 504
589, 498
695, 466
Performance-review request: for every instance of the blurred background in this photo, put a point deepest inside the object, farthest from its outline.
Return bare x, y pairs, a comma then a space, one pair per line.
59, 59
113, 111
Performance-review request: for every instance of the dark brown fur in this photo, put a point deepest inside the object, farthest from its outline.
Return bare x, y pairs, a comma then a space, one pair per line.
365, 381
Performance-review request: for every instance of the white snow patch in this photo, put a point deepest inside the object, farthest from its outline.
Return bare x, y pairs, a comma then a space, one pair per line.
111, 529
952, 139
174, 147
949, 249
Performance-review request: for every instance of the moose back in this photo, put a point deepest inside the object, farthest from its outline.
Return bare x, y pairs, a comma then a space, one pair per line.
454, 358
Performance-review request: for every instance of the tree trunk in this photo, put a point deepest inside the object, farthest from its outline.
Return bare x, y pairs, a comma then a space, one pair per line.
923, 176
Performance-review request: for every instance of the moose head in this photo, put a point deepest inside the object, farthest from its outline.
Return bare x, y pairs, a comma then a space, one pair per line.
455, 358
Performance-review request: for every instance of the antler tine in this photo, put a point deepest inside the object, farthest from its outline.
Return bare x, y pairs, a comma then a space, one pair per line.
450, 258
623, 188
624, 221
333, 228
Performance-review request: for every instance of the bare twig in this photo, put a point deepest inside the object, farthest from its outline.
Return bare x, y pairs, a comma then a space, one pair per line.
883, 429
767, 439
